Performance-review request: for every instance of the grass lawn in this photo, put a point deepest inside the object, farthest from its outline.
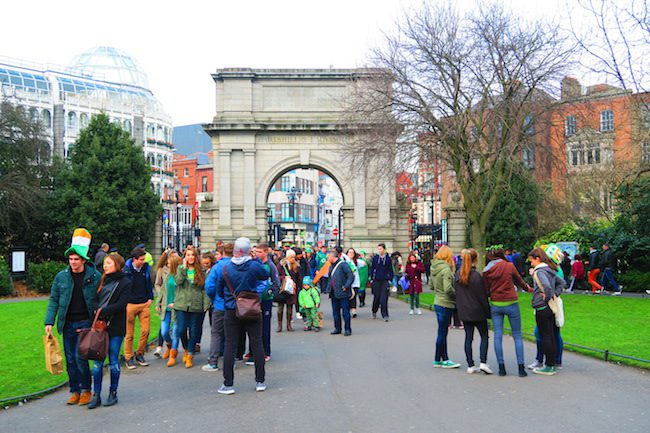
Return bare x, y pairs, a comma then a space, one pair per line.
617, 324
22, 360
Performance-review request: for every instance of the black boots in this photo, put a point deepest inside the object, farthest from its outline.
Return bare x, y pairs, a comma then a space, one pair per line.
95, 401
522, 371
112, 398
502, 369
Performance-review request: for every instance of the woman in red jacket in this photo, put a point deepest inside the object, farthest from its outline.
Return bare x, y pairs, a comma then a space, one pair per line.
578, 273
414, 271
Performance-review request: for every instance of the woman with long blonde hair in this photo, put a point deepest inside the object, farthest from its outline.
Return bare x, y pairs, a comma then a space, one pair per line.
473, 308
289, 267
441, 281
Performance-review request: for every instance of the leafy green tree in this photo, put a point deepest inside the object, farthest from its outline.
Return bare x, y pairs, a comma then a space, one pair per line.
24, 173
513, 221
105, 186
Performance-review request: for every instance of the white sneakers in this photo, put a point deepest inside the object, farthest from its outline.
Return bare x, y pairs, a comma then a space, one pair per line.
411, 312
485, 368
418, 311
472, 370
158, 352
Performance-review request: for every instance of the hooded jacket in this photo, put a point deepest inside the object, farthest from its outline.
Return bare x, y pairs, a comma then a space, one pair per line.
212, 281
189, 297
500, 277
441, 282
61, 294
242, 277
551, 284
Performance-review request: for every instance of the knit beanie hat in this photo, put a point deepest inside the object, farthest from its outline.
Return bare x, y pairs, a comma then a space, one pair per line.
80, 243
306, 281
242, 246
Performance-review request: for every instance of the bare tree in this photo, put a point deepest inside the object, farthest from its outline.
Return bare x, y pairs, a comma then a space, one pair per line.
470, 90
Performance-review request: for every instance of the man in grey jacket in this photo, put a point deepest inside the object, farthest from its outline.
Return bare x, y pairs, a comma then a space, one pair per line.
340, 285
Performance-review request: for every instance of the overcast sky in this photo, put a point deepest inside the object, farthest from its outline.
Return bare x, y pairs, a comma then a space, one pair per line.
180, 43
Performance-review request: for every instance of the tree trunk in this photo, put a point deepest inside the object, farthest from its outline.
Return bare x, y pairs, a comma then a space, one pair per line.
477, 239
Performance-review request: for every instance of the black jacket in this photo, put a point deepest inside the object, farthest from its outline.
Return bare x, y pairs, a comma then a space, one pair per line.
115, 311
607, 260
472, 299
593, 260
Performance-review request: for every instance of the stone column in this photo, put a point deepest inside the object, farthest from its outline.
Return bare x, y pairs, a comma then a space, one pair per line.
225, 220
360, 200
383, 218
249, 189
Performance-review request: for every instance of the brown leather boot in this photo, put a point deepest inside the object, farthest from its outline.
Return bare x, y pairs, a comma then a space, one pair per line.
167, 352
74, 398
172, 358
185, 354
188, 361
289, 314
85, 398
280, 314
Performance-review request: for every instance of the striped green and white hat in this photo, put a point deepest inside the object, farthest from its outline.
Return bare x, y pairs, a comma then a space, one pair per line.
80, 243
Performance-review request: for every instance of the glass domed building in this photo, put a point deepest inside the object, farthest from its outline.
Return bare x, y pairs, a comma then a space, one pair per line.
99, 80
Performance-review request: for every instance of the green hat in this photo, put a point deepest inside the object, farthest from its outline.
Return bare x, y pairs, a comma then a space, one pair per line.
306, 281
80, 243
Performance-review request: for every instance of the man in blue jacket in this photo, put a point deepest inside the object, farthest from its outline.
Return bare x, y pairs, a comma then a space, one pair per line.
139, 272
73, 298
241, 274
217, 336
340, 282
382, 274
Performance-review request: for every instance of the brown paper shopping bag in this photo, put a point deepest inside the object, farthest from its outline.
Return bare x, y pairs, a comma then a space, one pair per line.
53, 357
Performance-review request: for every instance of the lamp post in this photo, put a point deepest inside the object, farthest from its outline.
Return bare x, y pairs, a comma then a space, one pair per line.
339, 226
294, 195
177, 189
432, 207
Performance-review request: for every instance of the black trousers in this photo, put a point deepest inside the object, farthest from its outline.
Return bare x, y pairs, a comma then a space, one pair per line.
380, 297
482, 327
233, 328
546, 324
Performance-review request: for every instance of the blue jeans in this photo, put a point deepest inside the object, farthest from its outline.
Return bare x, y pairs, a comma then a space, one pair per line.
514, 317
540, 346
443, 314
608, 279
343, 305
77, 368
114, 345
167, 329
185, 320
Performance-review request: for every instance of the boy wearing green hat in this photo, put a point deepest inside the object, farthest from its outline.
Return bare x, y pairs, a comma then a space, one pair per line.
73, 298
309, 301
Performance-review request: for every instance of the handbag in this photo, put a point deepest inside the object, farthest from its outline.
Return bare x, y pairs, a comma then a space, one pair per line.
53, 358
288, 285
404, 283
93, 341
247, 304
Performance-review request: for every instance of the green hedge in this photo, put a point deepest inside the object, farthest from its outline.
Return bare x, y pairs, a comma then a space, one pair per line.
6, 286
41, 275
634, 281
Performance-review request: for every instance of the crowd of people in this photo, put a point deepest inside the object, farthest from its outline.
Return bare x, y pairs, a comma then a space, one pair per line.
188, 285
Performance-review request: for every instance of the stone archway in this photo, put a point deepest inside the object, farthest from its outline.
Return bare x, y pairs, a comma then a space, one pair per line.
271, 121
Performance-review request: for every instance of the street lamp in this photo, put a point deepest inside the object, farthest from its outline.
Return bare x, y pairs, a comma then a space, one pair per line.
432, 207
177, 189
339, 226
294, 195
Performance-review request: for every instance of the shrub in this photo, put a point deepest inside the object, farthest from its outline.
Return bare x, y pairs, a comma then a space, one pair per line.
6, 286
41, 275
634, 281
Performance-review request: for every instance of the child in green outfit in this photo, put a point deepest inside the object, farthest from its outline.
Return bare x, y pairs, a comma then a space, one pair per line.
309, 301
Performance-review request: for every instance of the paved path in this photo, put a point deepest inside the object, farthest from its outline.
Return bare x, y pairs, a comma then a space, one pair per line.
378, 380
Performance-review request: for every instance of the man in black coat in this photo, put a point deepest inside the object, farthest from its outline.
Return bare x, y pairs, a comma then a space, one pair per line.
340, 281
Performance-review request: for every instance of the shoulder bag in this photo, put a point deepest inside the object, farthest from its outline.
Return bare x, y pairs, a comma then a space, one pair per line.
247, 304
555, 304
288, 285
93, 341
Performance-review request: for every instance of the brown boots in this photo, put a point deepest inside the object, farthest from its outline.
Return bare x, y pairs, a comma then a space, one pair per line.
74, 398
173, 353
167, 352
189, 361
289, 314
279, 322
85, 397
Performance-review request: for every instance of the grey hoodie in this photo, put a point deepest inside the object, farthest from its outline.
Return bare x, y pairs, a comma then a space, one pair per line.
551, 283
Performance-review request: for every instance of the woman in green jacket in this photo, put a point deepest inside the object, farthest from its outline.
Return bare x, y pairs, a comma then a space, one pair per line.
190, 301
441, 281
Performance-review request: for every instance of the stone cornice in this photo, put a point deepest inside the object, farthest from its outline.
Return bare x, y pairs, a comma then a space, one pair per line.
292, 74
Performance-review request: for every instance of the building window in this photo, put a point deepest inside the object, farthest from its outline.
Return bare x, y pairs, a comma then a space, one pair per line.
175, 173
529, 156
186, 172
83, 120
127, 126
284, 184
72, 121
581, 154
286, 215
570, 125
204, 184
186, 190
593, 153
529, 125
473, 134
46, 118
606, 120
645, 152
